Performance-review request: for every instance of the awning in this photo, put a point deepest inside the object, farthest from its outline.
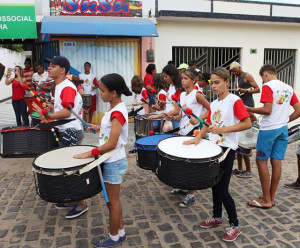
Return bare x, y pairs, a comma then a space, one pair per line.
94, 25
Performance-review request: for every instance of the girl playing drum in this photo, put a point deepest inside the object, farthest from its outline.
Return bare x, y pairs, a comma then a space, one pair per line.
227, 116
113, 133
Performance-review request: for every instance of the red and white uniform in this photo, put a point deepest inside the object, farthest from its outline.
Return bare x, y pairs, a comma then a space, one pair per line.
189, 101
224, 113
279, 116
119, 112
170, 105
66, 92
89, 80
198, 88
138, 99
162, 95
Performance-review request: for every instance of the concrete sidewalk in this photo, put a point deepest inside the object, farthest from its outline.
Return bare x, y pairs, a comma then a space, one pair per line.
151, 215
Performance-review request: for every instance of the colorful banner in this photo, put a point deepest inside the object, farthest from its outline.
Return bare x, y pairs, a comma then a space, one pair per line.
17, 19
118, 8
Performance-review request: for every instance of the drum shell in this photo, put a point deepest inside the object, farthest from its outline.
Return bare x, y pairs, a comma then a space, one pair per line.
143, 126
68, 188
87, 101
185, 174
138, 122
26, 142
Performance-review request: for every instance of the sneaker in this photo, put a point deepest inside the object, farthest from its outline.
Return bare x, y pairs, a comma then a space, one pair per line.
294, 185
76, 211
64, 205
210, 223
107, 242
231, 234
123, 238
237, 171
245, 174
179, 191
187, 202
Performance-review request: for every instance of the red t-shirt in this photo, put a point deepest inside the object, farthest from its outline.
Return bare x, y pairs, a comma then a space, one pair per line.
17, 91
148, 80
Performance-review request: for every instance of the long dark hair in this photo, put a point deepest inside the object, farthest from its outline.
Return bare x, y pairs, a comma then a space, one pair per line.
172, 71
150, 68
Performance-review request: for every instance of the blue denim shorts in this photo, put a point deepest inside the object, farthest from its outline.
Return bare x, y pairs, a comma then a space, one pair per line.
114, 171
272, 143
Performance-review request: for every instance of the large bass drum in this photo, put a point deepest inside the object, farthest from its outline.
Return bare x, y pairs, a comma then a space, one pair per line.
188, 166
58, 177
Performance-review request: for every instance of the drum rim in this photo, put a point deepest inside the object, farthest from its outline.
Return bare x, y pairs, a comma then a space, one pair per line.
59, 170
192, 160
154, 147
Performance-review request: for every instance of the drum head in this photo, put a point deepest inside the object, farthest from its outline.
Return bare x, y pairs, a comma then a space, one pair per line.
62, 158
150, 142
175, 148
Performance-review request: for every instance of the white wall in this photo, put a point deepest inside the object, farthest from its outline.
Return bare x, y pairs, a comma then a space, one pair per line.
204, 33
9, 59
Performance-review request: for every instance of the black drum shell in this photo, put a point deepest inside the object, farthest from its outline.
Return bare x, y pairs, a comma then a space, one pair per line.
147, 160
188, 174
68, 188
26, 142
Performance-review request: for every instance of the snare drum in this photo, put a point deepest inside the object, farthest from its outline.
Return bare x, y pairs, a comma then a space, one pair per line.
294, 133
143, 125
248, 138
188, 166
58, 178
146, 150
25, 141
87, 101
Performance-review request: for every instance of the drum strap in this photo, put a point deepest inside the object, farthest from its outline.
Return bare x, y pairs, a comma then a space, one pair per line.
222, 158
99, 161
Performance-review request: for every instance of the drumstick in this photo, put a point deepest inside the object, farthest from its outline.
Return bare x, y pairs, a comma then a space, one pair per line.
151, 133
95, 152
174, 98
45, 113
67, 106
143, 100
188, 111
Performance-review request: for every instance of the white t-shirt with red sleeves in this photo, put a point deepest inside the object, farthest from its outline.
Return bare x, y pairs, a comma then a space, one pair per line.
198, 88
162, 95
224, 113
189, 101
138, 99
66, 92
89, 80
119, 112
279, 116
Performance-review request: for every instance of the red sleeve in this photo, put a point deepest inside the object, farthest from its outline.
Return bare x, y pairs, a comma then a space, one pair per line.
68, 95
239, 110
208, 120
79, 87
162, 97
196, 87
144, 94
95, 82
119, 116
266, 94
177, 94
294, 99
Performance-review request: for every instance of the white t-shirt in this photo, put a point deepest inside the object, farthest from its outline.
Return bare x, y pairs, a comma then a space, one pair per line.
170, 104
138, 99
279, 116
40, 80
224, 113
189, 101
121, 113
59, 98
89, 80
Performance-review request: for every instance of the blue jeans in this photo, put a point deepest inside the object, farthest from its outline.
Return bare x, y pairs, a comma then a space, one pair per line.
20, 108
151, 98
221, 193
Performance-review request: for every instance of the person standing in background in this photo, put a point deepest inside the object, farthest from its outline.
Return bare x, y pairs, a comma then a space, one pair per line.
148, 82
90, 85
28, 72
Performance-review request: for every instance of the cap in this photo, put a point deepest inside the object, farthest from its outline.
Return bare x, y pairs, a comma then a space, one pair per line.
206, 77
192, 62
61, 61
234, 65
183, 66
198, 70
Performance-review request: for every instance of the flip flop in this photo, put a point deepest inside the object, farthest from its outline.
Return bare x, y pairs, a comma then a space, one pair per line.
258, 205
261, 197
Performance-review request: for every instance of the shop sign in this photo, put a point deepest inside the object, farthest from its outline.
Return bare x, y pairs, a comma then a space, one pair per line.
69, 44
17, 19
118, 8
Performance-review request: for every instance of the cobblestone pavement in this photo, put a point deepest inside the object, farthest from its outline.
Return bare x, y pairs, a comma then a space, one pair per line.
151, 215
